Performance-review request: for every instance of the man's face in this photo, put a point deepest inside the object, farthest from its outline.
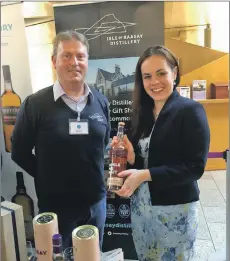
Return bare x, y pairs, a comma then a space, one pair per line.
71, 61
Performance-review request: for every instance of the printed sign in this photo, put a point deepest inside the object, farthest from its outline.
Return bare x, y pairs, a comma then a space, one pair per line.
114, 29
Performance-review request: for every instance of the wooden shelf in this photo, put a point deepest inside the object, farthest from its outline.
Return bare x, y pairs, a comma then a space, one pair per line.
209, 101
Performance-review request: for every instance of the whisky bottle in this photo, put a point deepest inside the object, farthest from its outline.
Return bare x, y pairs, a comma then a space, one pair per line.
23, 199
118, 160
10, 105
57, 248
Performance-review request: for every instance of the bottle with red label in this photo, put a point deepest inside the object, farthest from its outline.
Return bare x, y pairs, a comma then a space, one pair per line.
118, 160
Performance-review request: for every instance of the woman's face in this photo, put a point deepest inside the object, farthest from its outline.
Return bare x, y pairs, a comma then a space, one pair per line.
158, 78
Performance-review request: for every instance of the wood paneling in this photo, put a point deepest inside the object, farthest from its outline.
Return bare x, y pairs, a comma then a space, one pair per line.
191, 56
217, 110
218, 118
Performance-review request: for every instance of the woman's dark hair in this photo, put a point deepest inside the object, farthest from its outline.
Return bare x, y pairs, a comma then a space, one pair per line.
142, 115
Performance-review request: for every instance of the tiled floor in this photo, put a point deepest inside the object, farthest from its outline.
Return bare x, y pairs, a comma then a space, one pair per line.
212, 225
212, 213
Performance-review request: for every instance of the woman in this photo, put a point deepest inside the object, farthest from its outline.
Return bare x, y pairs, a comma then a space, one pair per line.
167, 155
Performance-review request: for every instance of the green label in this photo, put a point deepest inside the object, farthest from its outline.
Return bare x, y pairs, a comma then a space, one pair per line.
59, 258
6, 27
45, 219
85, 233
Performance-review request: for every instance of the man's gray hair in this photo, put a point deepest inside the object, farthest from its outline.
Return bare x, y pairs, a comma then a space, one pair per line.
69, 35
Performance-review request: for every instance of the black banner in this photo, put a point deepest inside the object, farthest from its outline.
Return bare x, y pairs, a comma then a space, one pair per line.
114, 29
118, 233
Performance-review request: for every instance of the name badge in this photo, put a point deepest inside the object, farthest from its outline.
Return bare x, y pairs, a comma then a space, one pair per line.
78, 127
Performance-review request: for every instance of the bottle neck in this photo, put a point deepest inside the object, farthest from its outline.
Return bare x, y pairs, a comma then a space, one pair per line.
21, 190
120, 133
8, 86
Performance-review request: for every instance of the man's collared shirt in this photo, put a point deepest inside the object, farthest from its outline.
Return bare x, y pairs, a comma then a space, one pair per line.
78, 105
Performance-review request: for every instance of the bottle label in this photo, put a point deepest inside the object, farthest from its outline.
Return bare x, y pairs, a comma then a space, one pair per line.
58, 258
115, 181
45, 219
118, 165
85, 233
57, 245
10, 114
28, 221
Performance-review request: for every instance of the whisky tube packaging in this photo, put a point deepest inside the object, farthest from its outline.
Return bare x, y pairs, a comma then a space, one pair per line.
45, 226
86, 243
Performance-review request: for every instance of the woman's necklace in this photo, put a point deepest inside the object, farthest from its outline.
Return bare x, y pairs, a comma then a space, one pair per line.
155, 115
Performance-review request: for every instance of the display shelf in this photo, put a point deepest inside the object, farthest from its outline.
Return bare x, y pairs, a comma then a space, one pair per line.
211, 101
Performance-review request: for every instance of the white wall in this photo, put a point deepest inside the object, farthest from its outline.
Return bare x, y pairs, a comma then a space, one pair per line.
39, 38
15, 54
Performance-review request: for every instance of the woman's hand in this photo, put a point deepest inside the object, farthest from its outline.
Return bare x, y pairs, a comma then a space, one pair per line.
128, 145
133, 179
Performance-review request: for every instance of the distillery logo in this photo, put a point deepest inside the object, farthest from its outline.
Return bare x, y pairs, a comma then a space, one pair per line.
124, 211
110, 211
96, 116
113, 29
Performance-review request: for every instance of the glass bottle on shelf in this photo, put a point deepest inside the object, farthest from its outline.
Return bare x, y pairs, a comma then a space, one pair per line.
118, 162
23, 199
10, 105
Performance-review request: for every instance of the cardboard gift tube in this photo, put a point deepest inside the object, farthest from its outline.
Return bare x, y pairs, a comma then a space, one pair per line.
86, 243
45, 226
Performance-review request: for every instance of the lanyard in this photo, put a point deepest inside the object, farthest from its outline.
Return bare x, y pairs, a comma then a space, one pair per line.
146, 159
78, 115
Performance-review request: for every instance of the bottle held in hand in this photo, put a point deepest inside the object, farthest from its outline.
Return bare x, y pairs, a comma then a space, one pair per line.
118, 160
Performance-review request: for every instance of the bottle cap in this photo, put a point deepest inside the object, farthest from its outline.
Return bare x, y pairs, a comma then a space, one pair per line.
6, 73
57, 243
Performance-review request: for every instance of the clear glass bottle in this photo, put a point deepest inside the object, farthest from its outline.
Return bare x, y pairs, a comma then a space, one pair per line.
118, 162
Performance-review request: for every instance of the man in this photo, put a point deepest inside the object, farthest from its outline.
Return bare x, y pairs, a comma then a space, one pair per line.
68, 125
